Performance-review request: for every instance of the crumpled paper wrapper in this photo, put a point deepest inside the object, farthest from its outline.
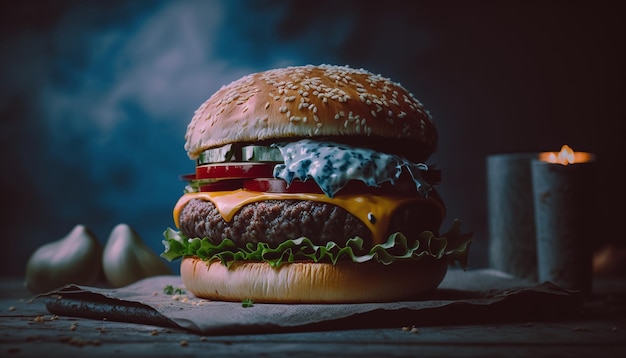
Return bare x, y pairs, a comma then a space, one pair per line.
464, 297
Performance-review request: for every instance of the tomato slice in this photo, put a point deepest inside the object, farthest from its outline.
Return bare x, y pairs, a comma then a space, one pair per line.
188, 177
255, 176
268, 185
222, 185
235, 170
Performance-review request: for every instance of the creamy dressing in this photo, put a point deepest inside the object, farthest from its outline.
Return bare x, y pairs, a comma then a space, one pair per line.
332, 165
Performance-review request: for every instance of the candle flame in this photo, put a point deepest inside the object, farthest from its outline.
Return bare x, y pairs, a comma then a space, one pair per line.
565, 156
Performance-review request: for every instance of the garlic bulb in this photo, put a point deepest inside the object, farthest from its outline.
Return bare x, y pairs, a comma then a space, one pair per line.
75, 258
128, 259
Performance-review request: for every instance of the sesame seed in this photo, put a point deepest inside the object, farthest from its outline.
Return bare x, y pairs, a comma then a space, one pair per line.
267, 105
337, 116
316, 118
373, 112
283, 109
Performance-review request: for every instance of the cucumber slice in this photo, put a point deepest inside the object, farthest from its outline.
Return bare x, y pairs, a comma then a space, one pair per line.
260, 153
236, 153
217, 155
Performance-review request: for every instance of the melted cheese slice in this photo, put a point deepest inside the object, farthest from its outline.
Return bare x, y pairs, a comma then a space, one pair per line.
363, 206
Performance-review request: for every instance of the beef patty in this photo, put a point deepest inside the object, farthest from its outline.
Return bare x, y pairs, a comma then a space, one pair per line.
275, 221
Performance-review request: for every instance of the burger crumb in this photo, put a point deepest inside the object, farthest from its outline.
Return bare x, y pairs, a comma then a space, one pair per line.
73, 327
414, 330
203, 339
12, 308
184, 343
38, 319
154, 333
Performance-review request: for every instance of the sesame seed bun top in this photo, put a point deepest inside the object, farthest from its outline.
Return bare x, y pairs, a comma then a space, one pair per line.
340, 103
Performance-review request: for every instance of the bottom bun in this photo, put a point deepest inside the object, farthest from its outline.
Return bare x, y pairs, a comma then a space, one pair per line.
309, 282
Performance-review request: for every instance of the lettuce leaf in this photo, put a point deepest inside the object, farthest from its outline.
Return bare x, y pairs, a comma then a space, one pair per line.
452, 246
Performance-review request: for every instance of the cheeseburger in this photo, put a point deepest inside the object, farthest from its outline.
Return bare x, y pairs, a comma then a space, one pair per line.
311, 186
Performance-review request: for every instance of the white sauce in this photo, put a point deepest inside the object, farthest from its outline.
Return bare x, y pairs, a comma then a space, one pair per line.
332, 165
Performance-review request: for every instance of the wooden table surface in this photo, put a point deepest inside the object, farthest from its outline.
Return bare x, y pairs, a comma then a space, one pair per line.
27, 329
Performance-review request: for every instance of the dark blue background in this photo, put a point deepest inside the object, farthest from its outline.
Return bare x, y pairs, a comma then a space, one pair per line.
95, 97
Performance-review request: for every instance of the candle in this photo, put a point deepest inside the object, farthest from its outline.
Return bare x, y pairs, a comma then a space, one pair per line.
564, 201
511, 218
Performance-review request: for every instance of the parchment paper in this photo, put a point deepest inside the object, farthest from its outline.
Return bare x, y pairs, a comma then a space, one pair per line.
464, 297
